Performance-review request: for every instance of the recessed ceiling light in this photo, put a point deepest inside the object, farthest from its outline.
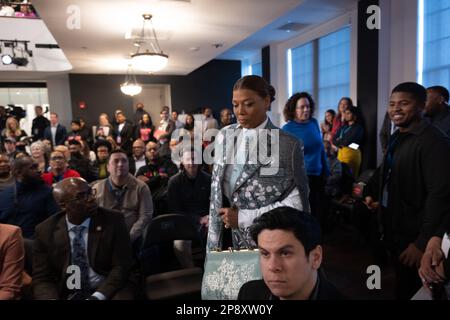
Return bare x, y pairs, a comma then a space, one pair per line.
194, 49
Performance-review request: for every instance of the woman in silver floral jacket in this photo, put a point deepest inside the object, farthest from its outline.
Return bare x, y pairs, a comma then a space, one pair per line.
257, 166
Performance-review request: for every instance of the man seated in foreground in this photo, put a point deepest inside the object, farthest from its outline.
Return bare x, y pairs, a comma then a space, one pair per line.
83, 242
290, 248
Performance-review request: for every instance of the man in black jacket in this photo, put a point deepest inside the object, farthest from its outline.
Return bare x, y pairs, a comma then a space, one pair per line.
123, 133
39, 124
412, 186
86, 236
290, 248
188, 193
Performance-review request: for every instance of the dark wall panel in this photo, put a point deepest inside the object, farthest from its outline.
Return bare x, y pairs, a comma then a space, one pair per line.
265, 61
367, 83
210, 85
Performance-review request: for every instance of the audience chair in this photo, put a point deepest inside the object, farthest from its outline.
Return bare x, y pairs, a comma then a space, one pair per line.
177, 284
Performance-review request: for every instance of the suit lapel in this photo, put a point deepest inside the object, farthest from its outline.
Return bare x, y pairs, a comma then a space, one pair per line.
95, 232
250, 169
62, 242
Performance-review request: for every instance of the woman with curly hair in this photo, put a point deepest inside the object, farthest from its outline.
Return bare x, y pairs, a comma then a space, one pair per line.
298, 113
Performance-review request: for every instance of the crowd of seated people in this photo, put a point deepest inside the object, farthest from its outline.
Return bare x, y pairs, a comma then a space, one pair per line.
63, 190
18, 10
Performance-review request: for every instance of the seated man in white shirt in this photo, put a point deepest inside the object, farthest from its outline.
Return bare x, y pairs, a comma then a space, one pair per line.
138, 159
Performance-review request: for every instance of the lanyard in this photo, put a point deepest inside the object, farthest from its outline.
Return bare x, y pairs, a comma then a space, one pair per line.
344, 130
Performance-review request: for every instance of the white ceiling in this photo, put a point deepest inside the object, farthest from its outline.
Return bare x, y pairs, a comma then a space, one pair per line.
99, 46
310, 13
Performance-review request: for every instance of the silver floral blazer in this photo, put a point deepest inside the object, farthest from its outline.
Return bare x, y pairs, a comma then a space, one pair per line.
255, 189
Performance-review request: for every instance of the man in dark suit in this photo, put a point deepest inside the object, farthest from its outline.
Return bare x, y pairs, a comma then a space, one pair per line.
123, 133
55, 133
83, 252
290, 248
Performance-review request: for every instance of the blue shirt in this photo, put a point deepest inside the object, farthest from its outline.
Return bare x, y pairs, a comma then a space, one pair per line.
309, 134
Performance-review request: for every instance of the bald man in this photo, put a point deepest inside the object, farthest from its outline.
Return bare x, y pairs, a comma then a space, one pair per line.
86, 236
137, 160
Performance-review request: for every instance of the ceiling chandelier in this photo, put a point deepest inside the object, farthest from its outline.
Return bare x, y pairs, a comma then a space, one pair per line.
130, 87
152, 60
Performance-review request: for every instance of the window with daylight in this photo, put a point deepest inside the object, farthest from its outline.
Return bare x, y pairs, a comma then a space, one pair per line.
303, 68
322, 68
257, 69
334, 69
434, 43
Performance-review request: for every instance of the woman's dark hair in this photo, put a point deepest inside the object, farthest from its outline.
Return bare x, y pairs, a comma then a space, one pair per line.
187, 126
149, 124
355, 111
291, 105
303, 225
257, 84
333, 113
349, 101
102, 143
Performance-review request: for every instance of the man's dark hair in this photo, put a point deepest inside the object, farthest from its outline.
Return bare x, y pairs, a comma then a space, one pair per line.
418, 92
303, 225
19, 163
117, 151
442, 91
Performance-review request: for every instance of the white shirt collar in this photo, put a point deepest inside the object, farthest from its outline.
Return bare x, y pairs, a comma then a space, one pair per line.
70, 225
261, 126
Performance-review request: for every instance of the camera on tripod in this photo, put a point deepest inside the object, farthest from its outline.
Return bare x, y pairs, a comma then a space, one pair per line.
15, 111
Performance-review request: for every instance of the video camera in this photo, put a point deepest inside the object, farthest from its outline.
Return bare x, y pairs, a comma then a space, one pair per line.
15, 111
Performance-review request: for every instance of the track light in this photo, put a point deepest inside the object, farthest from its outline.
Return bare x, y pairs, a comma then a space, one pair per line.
20, 62
6, 59
20, 53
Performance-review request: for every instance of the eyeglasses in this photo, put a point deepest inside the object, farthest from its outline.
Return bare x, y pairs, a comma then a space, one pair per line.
56, 158
85, 196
